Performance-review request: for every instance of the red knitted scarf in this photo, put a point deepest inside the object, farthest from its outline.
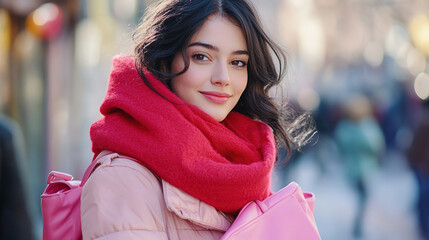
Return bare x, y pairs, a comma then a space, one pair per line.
223, 164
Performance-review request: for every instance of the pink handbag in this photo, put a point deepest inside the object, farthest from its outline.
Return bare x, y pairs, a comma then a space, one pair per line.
287, 214
61, 204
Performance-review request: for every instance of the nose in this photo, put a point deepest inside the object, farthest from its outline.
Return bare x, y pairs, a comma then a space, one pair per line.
220, 76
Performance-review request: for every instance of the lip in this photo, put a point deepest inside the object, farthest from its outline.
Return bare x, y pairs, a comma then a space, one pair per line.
216, 97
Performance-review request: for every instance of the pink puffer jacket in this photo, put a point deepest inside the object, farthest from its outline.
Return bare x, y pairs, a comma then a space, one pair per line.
124, 200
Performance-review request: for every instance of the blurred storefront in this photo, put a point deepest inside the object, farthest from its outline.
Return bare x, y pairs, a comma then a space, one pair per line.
55, 58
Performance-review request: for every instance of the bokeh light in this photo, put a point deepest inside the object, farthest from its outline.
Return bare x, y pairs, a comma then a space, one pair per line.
46, 21
419, 29
421, 85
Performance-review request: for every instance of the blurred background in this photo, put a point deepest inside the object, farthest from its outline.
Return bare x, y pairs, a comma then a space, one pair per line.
359, 67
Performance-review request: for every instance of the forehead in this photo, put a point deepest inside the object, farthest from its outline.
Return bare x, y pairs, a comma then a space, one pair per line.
221, 31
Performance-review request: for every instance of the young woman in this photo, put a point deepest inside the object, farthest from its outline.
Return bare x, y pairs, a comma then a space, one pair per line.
189, 130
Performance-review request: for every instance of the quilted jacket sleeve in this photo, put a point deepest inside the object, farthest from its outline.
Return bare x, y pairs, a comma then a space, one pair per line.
121, 200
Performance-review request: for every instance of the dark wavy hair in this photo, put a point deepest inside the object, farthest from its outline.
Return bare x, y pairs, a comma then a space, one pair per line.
167, 28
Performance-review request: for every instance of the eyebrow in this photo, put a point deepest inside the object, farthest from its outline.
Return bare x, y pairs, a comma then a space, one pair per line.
214, 48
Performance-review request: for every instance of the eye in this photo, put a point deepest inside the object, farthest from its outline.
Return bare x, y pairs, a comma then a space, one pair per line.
239, 63
200, 57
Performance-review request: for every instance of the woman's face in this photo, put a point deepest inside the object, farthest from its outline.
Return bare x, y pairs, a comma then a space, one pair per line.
217, 73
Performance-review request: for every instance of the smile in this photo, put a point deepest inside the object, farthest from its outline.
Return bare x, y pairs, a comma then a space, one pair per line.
216, 97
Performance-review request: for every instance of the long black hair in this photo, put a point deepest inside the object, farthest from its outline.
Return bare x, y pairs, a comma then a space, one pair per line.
168, 27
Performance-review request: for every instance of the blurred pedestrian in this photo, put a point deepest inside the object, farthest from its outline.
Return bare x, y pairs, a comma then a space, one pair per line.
191, 108
418, 157
15, 213
361, 143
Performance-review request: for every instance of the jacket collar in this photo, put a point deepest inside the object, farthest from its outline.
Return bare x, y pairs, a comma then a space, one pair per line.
190, 208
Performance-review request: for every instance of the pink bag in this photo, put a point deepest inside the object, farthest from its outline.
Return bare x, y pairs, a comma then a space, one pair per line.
61, 205
287, 214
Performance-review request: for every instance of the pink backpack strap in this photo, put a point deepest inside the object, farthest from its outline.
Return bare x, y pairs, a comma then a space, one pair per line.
94, 164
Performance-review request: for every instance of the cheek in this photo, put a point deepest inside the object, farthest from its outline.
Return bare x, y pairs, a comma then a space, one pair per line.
196, 75
191, 79
188, 82
241, 84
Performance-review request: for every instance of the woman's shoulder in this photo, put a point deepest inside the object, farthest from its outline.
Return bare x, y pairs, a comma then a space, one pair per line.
115, 169
123, 175
121, 195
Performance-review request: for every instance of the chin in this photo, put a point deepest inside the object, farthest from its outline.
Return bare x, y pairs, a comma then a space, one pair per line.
218, 117
217, 113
